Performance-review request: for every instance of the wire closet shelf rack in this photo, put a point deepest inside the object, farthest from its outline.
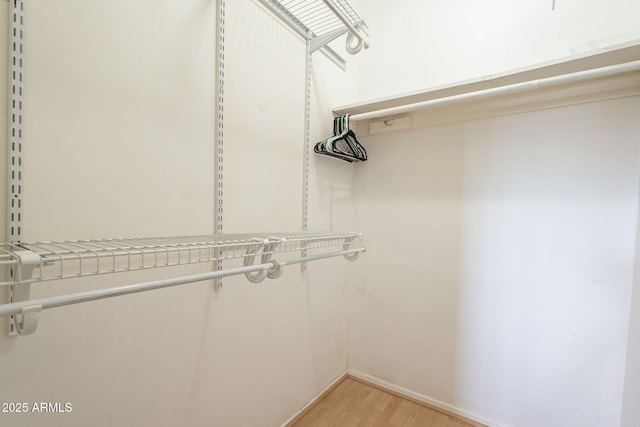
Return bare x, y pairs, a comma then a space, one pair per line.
257, 256
321, 21
44, 261
55, 260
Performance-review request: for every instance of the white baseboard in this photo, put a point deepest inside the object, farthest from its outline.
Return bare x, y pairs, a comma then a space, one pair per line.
425, 399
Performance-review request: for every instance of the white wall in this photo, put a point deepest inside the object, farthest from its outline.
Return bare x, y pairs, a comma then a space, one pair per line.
500, 251
119, 137
500, 263
417, 44
630, 407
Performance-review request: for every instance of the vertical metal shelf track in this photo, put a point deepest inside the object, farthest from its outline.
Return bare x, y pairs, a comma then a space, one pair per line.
15, 128
219, 153
307, 143
307, 125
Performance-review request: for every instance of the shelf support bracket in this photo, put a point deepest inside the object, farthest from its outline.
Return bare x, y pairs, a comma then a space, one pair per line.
318, 42
25, 323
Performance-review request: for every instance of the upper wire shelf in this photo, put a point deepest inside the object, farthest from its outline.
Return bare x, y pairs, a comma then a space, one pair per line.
321, 21
79, 258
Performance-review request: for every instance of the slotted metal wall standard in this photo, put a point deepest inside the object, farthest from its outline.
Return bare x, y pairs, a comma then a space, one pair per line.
219, 153
14, 154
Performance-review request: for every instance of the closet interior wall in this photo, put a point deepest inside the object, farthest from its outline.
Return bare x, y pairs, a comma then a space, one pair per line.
510, 299
119, 142
517, 288
442, 43
630, 410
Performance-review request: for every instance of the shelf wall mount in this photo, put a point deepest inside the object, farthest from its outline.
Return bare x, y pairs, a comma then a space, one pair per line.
25, 322
219, 141
15, 149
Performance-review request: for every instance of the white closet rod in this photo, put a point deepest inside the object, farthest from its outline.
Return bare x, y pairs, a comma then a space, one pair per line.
504, 90
36, 305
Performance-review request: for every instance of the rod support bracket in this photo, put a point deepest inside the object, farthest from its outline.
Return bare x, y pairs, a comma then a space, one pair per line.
266, 247
316, 43
347, 245
275, 271
28, 319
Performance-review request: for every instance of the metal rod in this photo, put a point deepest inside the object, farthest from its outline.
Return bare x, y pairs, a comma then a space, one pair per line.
504, 90
321, 256
80, 297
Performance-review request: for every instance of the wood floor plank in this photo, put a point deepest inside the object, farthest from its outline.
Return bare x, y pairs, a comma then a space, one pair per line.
440, 420
423, 418
353, 403
347, 420
328, 408
403, 413
454, 423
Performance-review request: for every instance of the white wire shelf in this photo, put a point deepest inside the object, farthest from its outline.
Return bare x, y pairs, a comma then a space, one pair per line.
37, 262
56, 260
321, 21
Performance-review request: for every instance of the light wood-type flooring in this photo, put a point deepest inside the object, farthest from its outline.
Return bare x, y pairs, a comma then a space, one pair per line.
354, 403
